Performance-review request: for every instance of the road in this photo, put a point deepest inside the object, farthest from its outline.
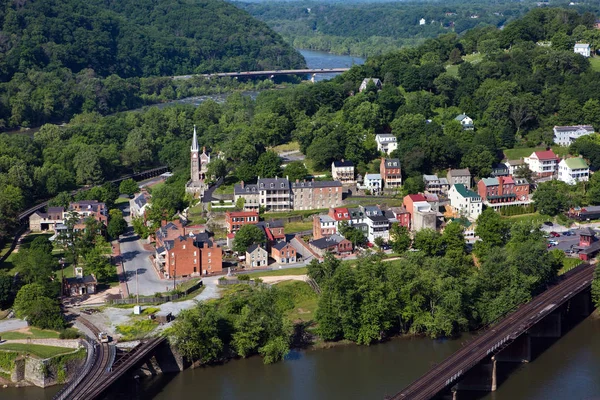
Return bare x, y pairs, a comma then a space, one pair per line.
12, 324
505, 331
207, 197
136, 258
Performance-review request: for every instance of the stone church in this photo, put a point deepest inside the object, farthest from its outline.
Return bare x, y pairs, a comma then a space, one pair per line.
198, 169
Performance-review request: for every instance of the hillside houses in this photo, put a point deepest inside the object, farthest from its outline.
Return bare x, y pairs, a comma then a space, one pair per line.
55, 217
543, 163
566, 135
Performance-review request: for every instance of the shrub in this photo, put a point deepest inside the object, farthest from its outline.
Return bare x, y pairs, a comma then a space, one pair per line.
243, 277
69, 333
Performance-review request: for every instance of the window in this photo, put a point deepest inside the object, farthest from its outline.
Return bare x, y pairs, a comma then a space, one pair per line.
209, 253
195, 262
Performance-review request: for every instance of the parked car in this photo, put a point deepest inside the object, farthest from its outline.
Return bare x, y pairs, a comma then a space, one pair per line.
553, 242
548, 223
554, 234
549, 245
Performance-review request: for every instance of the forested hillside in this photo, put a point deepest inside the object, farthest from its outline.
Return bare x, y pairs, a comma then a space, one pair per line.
367, 29
61, 57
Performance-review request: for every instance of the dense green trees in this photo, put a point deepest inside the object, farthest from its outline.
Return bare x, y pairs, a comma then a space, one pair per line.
246, 236
246, 323
39, 307
437, 290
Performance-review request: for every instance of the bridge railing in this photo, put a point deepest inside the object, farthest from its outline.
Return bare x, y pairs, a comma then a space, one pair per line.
66, 391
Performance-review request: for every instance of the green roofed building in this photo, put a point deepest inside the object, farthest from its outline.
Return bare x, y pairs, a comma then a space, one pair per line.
573, 170
465, 202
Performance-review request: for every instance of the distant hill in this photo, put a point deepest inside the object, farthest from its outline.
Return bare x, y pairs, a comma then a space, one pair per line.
133, 38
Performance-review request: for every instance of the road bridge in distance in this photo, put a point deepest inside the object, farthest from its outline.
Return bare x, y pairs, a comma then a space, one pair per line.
474, 366
272, 73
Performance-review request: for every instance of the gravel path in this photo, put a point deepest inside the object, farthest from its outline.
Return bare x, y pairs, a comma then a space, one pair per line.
12, 324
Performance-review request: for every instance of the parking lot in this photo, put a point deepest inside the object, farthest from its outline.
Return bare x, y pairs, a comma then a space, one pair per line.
564, 242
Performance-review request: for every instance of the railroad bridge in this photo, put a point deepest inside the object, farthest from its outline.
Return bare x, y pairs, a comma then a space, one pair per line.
103, 367
475, 367
272, 73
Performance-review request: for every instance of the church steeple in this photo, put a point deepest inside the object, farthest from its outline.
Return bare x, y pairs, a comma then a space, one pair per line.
194, 141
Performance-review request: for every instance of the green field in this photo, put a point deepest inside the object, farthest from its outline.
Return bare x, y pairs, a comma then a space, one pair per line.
304, 298
515, 154
595, 63
195, 215
279, 272
291, 146
303, 213
473, 58
568, 264
535, 217
36, 350
34, 333
293, 227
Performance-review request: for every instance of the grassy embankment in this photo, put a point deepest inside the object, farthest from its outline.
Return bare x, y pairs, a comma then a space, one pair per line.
35, 350
30, 333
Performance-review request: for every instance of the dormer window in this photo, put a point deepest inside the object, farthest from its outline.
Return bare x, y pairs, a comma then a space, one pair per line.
272, 185
282, 185
262, 185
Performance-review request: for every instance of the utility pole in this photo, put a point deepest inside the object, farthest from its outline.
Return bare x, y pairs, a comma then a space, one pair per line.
137, 287
174, 271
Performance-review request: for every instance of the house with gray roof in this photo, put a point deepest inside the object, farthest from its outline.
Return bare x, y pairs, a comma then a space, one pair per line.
566, 135
365, 83
583, 49
465, 121
435, 185
256, 256
462, 176
139, 204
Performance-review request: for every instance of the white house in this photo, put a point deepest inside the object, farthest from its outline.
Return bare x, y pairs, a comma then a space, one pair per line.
422, 21
139, 204
372, 182
386, 142
343, 171
566, 135
466, 202
542, 163
365, 83
465, 121
514, 165
378, 226
573, 170
583, 49
257, 256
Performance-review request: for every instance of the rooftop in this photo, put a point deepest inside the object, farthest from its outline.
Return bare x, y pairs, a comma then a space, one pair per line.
490, 181
576, 163
545, 155
316, 184
280, 245
459, 172
343, 163
464, 192
372, 177
392, 163
572, 128
327, 242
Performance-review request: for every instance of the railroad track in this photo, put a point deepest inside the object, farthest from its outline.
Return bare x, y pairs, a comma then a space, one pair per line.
497, 336
82, 391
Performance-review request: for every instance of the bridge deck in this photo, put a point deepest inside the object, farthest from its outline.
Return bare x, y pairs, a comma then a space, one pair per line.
268, 73
504, 332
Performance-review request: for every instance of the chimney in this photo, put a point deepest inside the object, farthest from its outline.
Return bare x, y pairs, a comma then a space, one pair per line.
79, 272
242, 184
204, 149
500, 185
313, 179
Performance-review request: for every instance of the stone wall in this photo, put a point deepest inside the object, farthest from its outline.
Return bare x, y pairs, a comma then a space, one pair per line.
68, 343
48, 372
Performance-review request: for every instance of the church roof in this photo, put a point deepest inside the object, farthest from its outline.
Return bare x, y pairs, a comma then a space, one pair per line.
195, 141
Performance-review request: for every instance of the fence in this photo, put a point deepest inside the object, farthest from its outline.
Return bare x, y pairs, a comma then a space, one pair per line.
64, 393
159, 300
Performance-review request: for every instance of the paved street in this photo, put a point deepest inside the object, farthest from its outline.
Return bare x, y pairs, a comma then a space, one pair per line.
135, 257
12, 324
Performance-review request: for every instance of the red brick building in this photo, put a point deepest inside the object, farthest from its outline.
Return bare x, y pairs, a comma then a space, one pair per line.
180, 253
390, 172
503, 189
401, 215
409, 200
339, 214
335, 244
236, 219
284, 253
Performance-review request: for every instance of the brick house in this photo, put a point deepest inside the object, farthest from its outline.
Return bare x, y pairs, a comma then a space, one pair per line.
589, 244
335, 244
284, 253
339, 214
389, 169
80, 284
399, 215
503, 189
256, 256
311, 195
236, 219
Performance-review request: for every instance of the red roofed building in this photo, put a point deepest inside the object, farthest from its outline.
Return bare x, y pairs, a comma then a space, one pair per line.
339, 214
503, 189
410, 200
543, 163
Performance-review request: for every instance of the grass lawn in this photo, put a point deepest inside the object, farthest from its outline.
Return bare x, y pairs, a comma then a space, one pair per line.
568, 264
137, 330
293, 227
285, 214
155, 186
452, 70
34, 333
36, 350
122, 200
473, 58
195, 215
535, 217
595, 63
304, 298
227, 186
291, 146
8, 264
390, 202
279, 272
515, 154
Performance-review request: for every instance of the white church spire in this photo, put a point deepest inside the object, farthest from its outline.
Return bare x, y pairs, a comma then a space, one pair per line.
194, 141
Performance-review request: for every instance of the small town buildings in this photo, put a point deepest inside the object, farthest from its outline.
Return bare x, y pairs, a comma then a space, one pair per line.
566, 135
421, 213
343, 171
55, 217
514, 165
573, 170
275, 194
198, 169
542, 163
386, 142
435, 185
586, 213
391, 174
312, 195
583, 49
399, 215
80, 284
504, 190
499, 169
459, 176
274, 231
236, 219
464, 201
339, 214
256, 256
323, 225
139, 204
378, 226
465, 121
422, 21
335, 244
46, 221
589, 245
372, 182
183, 251
284, 253
365, 83
249, 193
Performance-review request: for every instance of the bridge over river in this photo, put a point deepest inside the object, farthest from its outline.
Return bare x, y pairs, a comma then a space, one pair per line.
473, 367
309, 71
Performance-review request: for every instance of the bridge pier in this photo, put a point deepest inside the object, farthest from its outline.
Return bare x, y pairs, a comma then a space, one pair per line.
481, 378
518, 351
